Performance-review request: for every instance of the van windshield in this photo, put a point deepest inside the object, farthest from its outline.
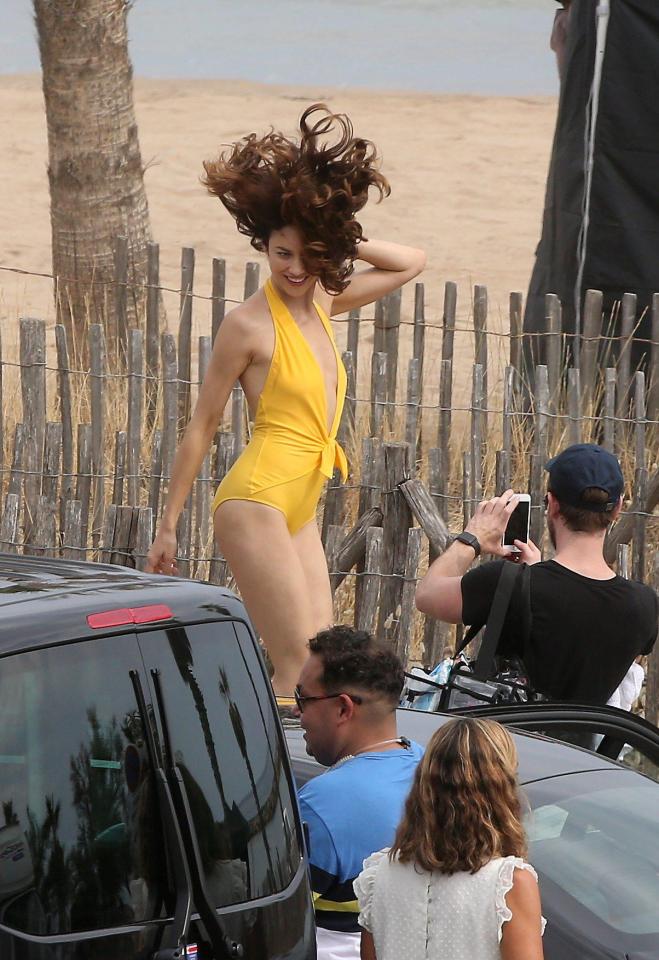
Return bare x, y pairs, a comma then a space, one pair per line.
80, 840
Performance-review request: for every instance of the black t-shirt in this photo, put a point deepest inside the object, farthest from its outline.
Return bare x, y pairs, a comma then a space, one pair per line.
584, 633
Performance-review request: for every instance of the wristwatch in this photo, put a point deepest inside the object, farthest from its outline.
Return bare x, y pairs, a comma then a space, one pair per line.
470, 540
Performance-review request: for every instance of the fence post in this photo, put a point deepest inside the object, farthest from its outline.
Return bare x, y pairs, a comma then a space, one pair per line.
609, 412
397, 519
218, 293
252, 271
202, 483
152, 329
413, 408
628, 311
352, 343
554, 338
391, 332
480, 338
51, 462
508, 407
121, 298
120, 446
72, 538
64, 389
84, 479
444, 433
135, 411
378, 392
9, 523
516, 308
478, 431
97, 370
366, 610
169, 403
405, 627
419, 338
33, 391
448, 321
185, 336
592, 332
346, 432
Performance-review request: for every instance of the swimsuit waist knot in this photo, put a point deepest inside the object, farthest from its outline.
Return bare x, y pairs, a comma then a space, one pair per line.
332, 455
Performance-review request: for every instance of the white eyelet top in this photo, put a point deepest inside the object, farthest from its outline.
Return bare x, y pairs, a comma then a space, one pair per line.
431, 916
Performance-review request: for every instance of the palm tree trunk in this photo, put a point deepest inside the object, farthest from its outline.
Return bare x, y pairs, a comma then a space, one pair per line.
95, 168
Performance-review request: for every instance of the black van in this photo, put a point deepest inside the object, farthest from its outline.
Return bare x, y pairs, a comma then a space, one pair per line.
147, 807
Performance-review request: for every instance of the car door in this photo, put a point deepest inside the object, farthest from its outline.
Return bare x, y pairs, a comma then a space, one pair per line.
83, 872
610, 732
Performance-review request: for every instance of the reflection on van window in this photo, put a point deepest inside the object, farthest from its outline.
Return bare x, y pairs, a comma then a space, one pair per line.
226, 744
79, 838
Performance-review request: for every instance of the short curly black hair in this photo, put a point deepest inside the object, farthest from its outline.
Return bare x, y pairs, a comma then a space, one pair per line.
354, 659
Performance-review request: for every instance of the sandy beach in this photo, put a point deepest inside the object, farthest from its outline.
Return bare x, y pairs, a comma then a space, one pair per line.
467, 176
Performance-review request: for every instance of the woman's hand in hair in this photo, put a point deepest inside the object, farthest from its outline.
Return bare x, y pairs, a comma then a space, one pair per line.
522, 935
391, 266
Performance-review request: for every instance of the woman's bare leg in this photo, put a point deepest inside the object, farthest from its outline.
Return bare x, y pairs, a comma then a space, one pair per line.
309, 548
271, 578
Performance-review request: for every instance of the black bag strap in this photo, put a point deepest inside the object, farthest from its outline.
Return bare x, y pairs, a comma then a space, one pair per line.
484, 666
524, 571
527, 615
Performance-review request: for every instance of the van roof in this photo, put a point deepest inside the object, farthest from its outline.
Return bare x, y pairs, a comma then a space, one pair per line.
45, 601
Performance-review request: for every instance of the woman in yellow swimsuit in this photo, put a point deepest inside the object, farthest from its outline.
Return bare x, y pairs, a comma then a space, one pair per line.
297, 202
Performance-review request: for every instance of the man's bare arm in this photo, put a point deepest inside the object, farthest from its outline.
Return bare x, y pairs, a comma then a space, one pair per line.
439, 593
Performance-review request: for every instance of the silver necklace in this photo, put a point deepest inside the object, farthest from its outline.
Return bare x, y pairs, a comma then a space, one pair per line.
401, 741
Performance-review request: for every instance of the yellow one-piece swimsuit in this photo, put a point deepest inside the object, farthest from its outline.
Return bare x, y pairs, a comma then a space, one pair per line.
291, 452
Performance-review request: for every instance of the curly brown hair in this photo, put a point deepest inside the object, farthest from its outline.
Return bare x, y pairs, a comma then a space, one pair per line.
317, 185
464, 807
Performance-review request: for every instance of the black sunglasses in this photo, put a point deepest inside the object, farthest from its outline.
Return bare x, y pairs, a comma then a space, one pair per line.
300, 700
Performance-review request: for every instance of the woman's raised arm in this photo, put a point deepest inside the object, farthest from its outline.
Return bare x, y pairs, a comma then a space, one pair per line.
231, 355
391, 265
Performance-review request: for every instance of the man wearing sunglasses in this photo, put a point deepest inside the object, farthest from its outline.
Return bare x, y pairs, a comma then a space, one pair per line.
346, 699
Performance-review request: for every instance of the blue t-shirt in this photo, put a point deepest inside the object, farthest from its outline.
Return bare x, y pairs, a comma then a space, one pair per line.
352, 810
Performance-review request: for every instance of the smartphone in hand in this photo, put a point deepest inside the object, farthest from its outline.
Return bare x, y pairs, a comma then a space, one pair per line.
518, 524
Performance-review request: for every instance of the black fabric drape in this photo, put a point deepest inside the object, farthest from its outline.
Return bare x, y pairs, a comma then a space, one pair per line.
623, 237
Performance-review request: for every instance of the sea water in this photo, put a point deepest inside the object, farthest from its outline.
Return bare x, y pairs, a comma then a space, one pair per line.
438, 46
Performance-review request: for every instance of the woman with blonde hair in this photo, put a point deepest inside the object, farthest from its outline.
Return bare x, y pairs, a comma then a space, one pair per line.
297, 200
455, 885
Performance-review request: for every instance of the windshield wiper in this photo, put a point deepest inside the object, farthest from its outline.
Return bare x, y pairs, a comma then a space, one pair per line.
174, 846
223, 946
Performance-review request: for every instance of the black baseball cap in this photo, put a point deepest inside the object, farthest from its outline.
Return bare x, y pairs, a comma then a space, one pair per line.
581, 466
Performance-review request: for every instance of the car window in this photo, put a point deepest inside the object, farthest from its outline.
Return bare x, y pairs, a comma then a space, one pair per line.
80, 843
226, 743
597, 839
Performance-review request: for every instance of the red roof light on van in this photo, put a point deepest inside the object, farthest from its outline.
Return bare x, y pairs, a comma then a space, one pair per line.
125, 615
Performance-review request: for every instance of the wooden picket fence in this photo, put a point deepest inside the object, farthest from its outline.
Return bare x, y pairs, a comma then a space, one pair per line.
86, 449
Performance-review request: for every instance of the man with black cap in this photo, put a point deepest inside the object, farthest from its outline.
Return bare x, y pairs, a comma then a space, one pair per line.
587, 625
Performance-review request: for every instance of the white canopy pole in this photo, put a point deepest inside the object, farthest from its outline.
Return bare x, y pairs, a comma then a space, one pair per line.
592, 108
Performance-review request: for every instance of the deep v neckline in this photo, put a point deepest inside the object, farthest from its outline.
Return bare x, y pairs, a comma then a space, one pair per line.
329, 430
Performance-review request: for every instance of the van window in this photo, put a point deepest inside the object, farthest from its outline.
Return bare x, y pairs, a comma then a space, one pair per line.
226, 742
80, 843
